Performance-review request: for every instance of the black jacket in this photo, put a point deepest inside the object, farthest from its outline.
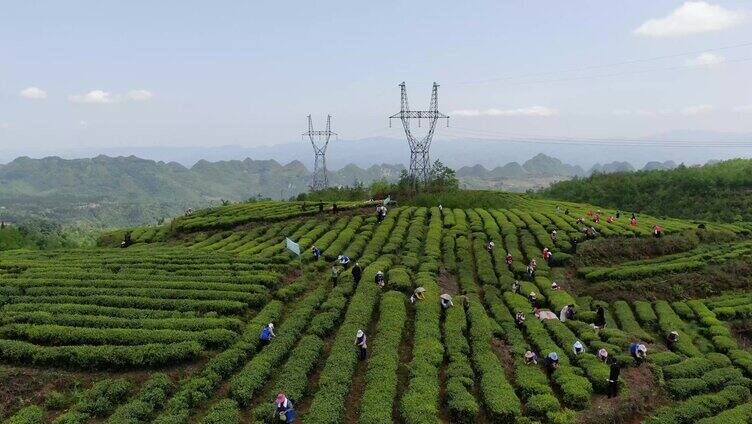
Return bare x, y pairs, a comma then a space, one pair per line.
357, 272
614, 373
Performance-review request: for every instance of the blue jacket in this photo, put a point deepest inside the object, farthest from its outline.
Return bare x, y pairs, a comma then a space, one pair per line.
265, 334
288, 410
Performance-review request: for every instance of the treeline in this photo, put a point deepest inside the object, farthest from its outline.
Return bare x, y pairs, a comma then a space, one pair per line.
41, 234
717, 192
441, 180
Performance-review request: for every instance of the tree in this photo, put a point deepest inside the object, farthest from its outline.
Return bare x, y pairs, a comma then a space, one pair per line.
442, 178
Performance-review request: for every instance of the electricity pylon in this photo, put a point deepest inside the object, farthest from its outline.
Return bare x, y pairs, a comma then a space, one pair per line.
319, 141
420, 162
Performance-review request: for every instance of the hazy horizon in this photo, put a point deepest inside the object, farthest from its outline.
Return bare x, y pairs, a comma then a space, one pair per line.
393, 151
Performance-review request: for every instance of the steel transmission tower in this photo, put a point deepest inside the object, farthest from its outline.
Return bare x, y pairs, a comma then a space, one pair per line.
420, 162
319, 141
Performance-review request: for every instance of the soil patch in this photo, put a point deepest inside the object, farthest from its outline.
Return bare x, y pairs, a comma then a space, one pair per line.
359, 379
742, 332
448, 282
505, 356
631, 406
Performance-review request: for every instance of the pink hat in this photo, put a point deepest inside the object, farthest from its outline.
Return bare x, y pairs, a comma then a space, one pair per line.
281, 398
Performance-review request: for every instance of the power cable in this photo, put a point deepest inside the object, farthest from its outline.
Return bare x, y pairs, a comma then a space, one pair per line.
608, 65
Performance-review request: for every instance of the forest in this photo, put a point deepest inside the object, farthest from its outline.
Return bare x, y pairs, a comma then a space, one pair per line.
717, 192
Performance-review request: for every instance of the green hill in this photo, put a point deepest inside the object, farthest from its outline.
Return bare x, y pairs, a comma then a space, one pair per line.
718, 192
123, 191
167, 330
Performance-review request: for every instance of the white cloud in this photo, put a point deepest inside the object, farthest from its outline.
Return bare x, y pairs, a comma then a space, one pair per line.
655, 113
94, 96
33, 93
541, 111
83, 124
743, 109
706, 60
641, 112
693, 17
4, 125
105, 97
139, 95
696, 110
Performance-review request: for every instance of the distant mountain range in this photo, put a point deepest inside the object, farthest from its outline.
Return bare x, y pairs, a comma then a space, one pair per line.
125, 191
455, 153
122, 191
539, 172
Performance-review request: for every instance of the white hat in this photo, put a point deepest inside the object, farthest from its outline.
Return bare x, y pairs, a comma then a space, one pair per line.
380, 273
491, 243
532, 294
578, 345
359, 333
674, 333
529, 354
271, 325
603, 352
339, 257
420, 289
642, 348
446, 296
553, 356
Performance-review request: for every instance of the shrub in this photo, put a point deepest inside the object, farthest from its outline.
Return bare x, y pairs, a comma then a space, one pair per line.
739, 414
381, 377
645, 313
499, 395
252, 377
56, 401
335, 379
225, 411
198, 388
668, 321
742, 359
694, 408
103, 396
419, 402
459, 371
293, 378
31, 414
399, 279
541, 405
663, 359
696, 366
94, 357
152, 395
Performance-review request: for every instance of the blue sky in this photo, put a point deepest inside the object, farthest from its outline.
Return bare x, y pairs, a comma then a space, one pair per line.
183, 73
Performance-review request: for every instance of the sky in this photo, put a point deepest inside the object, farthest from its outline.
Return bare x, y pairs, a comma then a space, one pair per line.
104, 74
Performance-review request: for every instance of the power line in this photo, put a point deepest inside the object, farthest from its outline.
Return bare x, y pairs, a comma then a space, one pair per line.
607, 65
604, 142
598, 139
616, 74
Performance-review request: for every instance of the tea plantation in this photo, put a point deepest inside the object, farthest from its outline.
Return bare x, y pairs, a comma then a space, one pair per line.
167, 329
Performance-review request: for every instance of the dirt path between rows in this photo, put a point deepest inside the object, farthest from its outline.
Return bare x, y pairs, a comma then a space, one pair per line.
352, 403
641, 400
